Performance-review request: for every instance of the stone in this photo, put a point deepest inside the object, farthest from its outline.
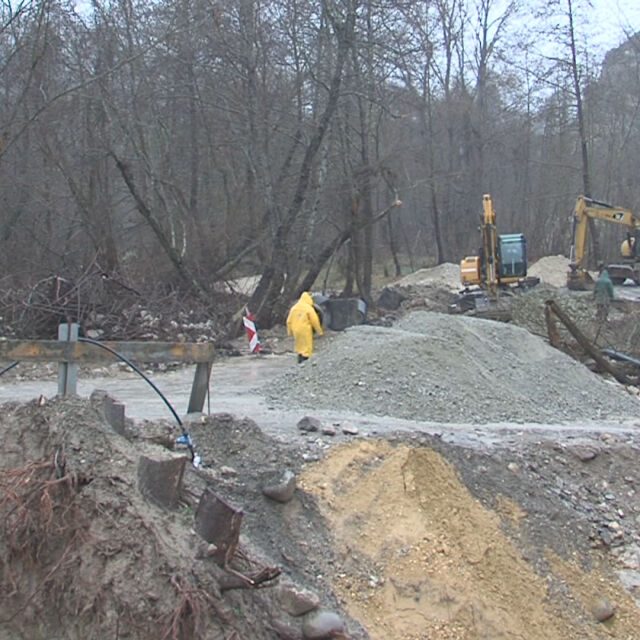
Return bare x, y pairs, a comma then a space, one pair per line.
584, 453
630, 558
344, 312
349, 429
391, 298
297, 601
309, 424
602, 610
206, 551
228, 471
279, 485
322, 624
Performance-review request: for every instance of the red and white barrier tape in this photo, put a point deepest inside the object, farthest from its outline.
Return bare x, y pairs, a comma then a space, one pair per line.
252, 332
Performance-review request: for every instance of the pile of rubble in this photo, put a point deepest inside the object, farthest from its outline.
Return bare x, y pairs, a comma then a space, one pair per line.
441, 368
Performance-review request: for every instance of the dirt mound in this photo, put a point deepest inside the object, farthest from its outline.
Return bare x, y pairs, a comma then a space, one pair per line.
86, 555
443, 368
421, 557
409, 537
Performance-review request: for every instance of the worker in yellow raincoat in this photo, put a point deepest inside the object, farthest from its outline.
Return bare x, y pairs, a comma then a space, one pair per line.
302, 322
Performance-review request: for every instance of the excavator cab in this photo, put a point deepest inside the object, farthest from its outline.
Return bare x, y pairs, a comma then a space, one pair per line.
512, 257
509, 265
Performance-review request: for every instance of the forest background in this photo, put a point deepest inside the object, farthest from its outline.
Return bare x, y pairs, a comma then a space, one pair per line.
152, 150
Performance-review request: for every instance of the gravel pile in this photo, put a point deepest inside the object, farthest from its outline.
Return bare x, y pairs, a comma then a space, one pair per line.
443, 368
445, 275
551, 270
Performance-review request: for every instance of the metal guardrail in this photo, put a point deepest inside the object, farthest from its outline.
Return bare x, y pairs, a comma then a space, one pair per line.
70, 351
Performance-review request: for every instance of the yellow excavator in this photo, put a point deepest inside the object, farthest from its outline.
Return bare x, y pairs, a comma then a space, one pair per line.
501, 263
578, 277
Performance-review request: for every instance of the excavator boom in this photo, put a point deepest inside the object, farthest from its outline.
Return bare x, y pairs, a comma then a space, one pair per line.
586, 209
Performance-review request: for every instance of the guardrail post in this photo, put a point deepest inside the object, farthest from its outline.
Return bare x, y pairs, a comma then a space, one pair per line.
200, 387
67, 371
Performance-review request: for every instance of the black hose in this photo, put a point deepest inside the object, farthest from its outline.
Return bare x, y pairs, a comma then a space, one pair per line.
186, 438
13, 364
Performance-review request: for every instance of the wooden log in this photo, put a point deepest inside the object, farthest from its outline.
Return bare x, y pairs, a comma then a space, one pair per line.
583, 341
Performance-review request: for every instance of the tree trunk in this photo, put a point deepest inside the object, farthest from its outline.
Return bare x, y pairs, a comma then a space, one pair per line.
267, 296
161, 236
586, 176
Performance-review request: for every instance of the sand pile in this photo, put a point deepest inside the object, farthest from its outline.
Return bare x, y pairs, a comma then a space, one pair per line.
420, 557
551, 270
445, 275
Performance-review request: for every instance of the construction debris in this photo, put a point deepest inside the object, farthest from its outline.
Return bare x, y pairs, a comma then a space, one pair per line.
525, 527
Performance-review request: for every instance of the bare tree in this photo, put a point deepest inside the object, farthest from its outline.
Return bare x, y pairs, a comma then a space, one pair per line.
267, 301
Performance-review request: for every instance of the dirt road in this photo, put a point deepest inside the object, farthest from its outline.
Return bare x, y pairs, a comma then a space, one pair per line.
241, 386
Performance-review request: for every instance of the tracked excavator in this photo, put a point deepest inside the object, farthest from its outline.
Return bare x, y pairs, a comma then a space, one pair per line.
628, 267
500, 266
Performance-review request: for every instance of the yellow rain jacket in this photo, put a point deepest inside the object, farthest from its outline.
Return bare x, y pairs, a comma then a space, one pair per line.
302, 321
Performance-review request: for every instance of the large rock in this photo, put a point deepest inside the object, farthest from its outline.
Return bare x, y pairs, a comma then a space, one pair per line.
339, 313
391, 298
309, 424
279, 485
297, 601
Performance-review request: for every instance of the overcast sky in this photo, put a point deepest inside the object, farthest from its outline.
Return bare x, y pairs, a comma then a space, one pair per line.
612, 18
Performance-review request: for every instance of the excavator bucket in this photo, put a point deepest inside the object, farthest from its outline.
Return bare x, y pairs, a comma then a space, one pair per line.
579, 280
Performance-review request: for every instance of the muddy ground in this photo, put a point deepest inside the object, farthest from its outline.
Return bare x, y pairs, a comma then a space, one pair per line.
501, 501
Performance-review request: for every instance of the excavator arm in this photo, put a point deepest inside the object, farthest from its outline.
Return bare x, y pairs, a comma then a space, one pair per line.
586, 209
489, 242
